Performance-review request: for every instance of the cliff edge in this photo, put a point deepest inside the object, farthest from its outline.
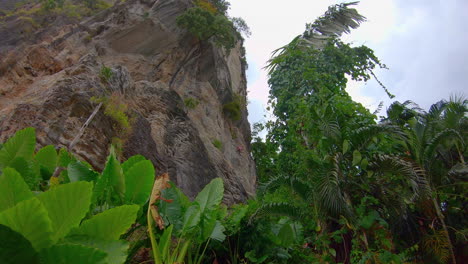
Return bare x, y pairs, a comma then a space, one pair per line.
178, 94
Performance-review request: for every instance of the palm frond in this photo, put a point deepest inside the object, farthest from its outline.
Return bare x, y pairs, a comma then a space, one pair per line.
414, 177
436, 110
454, 115
399, 113
438, 139
279, 209
331, 197
337, 20
298, 186
379, 108
362, 136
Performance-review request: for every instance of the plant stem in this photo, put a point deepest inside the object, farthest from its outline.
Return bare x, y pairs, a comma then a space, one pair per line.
154, 245
442, 221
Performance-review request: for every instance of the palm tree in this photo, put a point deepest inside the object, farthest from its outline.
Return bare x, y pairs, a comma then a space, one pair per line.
435, 143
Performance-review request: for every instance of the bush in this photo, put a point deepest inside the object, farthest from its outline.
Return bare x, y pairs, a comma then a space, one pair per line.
205, 25
116, 109
233, 108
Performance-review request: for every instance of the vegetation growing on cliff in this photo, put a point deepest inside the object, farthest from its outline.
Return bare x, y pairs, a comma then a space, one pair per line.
209, 20
337, 184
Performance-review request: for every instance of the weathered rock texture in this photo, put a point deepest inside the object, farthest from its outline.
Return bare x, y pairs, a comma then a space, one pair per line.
48, 77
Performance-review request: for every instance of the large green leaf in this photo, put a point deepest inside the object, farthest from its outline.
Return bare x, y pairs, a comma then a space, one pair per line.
67, 205
285, 235
30, 219
211, 195
47, 158
111, 184
29, 170
64, 158
165, 241
357, 157
139, 182
110, 224
116, 250
191, 217
15, 248
13, 189
131, 161
207, 224
78, 171
218, 232
233, 221
73, 254
173, 211
345, 146
22, 144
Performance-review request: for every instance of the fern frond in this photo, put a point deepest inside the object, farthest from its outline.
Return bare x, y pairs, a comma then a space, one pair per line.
437, 245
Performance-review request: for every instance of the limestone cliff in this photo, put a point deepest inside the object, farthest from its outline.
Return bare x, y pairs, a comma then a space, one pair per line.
48, 75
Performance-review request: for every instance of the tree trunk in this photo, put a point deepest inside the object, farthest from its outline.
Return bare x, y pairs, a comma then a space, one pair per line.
442, 221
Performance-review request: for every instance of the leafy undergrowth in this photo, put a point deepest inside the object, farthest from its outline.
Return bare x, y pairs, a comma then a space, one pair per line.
337, 184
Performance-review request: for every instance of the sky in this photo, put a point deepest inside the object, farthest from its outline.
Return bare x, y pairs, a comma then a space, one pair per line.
424, 43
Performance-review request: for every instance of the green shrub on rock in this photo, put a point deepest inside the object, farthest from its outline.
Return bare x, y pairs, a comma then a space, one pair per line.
206, 25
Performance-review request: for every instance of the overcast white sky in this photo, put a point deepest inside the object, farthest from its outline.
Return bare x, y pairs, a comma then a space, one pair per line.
423, 42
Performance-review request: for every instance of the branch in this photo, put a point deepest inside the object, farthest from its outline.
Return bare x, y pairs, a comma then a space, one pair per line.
58, 170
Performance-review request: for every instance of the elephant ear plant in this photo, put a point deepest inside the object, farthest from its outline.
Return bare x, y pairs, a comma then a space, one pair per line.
77, 217
48, 227
192, 224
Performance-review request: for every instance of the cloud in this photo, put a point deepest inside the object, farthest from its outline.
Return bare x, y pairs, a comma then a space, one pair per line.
421, 41
425, 50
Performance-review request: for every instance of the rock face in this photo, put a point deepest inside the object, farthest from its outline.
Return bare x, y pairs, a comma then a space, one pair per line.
159, 71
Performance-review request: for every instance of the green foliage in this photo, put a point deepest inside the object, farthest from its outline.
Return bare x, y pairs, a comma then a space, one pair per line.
67, 6
348, 180
19, 146
191, 102
51, 4
116, 108
233, 108
47, 159
57, 225
13, 189
201, 222
217, 143
139, 180
110, 224
72, 254
205, 25
31, 220
14, 248
106, 73
221, 5
64, 209
241, 26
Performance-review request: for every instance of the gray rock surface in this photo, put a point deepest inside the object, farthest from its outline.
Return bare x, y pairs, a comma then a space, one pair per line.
47, 81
